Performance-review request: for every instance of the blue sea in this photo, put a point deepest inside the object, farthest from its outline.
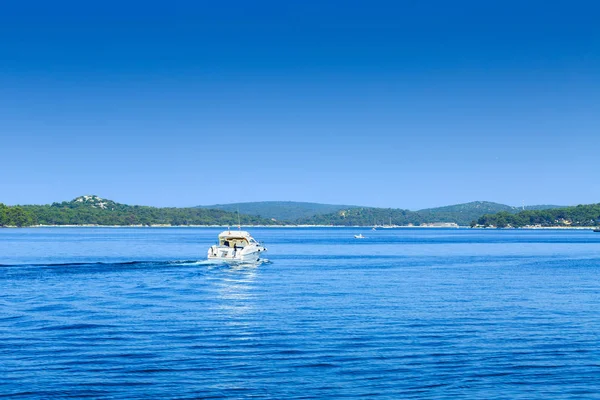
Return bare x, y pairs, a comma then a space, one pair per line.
137, 313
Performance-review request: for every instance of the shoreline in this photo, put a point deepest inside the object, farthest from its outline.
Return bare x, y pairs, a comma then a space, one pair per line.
305, 226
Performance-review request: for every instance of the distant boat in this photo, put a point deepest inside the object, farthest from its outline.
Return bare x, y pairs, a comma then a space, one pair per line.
597, 230
359, 236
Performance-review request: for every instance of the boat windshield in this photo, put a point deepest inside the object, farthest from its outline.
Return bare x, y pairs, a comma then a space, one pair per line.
233, 242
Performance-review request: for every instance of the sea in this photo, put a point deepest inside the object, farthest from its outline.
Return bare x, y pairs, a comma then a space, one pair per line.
138, 313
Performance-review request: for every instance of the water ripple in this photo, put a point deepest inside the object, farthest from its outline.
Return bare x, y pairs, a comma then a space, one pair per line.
404, 315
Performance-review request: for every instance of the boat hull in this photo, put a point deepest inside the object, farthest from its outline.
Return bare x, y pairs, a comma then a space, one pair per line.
230, 255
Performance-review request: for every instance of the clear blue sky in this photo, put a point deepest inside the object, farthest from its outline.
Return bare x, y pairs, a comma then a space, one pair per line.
407, 104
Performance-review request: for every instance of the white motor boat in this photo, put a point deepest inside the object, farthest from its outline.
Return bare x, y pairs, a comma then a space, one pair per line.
359, 236
236, 247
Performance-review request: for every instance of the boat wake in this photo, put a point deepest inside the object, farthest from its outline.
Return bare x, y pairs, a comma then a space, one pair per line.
100, 263
233, 263
128, 264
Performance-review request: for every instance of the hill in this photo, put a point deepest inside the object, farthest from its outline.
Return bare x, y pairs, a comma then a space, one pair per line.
94, 210
364, 216
464, 214
461, 214
581, 215
280, 210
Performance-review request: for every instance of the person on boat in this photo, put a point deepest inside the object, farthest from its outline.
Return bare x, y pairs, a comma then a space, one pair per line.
234, 248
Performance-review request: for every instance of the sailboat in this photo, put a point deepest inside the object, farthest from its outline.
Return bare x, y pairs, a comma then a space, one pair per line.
390, 225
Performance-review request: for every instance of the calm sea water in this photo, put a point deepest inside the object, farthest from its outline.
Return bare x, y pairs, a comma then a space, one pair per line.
404, 313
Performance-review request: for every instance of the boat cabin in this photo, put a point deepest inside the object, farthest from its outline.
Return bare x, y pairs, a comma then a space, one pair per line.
237, 239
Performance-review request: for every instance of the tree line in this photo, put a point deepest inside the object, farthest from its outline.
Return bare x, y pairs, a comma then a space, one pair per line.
68, 213
96, 211
15, 216
581, 215
366, 216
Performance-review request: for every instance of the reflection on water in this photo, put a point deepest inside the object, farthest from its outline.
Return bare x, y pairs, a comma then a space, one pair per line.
234, 286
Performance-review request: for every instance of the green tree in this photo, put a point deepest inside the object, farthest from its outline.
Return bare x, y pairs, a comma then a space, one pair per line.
17, 216
3, 216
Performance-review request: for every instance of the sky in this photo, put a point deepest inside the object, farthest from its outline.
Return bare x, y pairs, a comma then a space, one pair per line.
403, 104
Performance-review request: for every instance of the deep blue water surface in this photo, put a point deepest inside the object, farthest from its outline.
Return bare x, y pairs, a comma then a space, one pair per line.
405, 313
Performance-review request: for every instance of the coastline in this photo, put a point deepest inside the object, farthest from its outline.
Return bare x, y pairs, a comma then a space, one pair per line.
305, 226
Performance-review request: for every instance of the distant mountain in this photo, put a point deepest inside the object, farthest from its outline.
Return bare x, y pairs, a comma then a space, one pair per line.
461, 214
364, 216
95, 210
464, 214
280, 210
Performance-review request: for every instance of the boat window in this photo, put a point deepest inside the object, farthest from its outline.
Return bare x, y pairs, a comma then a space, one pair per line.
239, 242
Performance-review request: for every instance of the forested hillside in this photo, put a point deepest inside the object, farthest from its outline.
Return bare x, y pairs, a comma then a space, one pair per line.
464, 214
93, 210
461, 214
280, 210
581, 215
365, 216
14, 216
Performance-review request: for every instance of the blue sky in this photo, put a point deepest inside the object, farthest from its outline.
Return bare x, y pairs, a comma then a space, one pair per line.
406, 104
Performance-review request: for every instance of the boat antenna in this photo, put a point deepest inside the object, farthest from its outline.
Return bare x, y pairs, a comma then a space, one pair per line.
239, 223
